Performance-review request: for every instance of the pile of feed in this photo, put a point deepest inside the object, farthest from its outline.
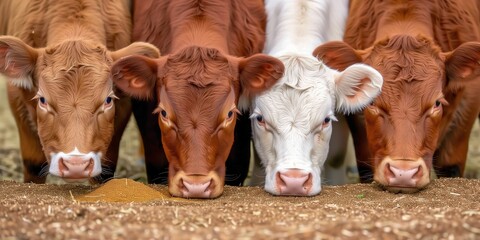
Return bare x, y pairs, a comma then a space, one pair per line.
122, 190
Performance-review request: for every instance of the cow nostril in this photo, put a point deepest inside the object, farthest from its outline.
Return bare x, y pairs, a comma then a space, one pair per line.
308, 183
280, 182
418, 174
388, 172
211, 186
181, 185
91, 163
62, 166
90, 166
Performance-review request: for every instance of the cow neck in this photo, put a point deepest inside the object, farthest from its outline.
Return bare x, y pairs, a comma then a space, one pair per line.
76, 25
417, 23
199, 33
296, 28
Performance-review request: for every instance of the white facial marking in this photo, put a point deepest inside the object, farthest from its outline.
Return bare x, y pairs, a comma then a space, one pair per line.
55, 158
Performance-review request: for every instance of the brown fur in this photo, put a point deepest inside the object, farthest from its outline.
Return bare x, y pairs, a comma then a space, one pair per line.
160, 22
198, 84
409, 42
63, 52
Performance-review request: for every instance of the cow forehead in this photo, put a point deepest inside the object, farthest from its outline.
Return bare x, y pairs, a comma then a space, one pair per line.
180, 76
303, 95
197, 106
75, 72
198, 66
405, 58
76, 52
198, 82
189, 96
412, 70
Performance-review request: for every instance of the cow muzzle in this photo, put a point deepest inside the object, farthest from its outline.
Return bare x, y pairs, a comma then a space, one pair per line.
196, 185
403, 175
75, 165
294, 182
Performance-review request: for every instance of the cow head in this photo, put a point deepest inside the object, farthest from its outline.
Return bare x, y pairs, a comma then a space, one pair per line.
404, 123
72, 99
198, 91
292, 122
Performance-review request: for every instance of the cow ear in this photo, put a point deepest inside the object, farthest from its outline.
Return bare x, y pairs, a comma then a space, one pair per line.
136, 75
259, 72
136, 48
17, 61
463, 64
337, 55
356, 87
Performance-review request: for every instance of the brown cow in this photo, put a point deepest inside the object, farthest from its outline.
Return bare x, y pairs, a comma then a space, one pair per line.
58, 64
429, 101
195, 87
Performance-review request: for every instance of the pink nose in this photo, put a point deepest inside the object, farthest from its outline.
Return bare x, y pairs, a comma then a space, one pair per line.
196, 187
294, 182
403, 176
75, 167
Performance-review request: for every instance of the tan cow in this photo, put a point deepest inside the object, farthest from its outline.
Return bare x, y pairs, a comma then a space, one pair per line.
57, 59
430, 97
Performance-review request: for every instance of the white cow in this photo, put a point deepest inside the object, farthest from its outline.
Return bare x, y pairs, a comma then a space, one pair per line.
292, 122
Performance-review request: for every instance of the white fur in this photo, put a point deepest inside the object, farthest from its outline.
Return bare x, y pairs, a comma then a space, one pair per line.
302, 25
295, 108
347, 83
337, 17
55, 158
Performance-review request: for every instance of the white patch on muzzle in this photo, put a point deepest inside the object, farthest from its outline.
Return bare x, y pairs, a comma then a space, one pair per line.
55, 161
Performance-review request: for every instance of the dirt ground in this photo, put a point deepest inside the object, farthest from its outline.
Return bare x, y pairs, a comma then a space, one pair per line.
448, 209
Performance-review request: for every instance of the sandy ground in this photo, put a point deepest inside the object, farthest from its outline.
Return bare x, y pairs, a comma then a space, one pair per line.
448, 209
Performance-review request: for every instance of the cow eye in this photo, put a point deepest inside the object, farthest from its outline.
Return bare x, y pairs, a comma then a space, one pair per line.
327, 120
108, 103
42, 100
260, 119
108, 100
163, 113
231, 114
437, 106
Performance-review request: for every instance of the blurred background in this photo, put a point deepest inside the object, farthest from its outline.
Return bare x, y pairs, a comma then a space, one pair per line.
130, 163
